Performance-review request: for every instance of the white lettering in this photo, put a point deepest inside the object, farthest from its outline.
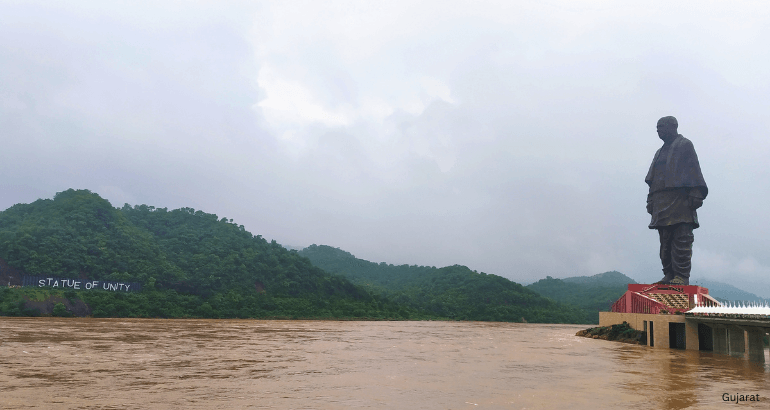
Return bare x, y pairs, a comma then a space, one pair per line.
79, 284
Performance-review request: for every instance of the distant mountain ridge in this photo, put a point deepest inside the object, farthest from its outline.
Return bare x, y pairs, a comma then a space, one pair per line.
611, 278
725, 292
596, 293
719, 290
455, 292
591, 294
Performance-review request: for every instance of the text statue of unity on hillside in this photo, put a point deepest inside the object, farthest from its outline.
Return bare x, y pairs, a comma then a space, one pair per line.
677, 189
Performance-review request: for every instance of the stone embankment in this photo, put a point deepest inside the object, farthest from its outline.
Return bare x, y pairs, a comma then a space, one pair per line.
617, 333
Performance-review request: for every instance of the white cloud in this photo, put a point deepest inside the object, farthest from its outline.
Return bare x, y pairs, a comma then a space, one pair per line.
436, 89
290, 103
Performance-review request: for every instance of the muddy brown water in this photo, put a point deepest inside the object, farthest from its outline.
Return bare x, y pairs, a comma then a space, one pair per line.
51, 363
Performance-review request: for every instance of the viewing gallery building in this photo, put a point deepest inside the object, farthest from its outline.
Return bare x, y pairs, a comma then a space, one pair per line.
686, 317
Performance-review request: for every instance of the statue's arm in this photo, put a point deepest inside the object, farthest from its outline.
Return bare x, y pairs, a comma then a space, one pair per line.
649, 204
696, 198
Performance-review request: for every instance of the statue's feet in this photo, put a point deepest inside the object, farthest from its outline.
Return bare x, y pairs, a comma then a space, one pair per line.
680, 280
674, 280
666, 279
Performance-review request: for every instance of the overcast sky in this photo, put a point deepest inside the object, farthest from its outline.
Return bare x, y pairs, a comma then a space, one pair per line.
506, 136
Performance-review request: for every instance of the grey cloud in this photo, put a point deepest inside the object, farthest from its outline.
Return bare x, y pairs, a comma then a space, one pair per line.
535, 168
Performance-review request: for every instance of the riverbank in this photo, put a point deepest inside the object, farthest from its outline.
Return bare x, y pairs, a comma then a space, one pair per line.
617, 333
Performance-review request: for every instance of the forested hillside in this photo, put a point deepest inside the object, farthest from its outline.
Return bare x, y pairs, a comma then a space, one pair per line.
190, 264
454, 291
591, 294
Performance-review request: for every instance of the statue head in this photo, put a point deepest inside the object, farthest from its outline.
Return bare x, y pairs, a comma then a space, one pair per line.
667, 127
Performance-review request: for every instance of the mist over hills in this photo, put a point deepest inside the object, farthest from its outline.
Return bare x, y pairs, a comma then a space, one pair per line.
725, 292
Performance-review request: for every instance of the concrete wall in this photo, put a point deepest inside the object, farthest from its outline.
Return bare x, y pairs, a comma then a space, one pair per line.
660, 327
737, 337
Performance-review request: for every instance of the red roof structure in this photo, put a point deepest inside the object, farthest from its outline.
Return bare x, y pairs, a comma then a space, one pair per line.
657, 298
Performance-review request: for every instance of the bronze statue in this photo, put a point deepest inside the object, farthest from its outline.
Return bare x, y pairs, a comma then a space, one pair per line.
677, 189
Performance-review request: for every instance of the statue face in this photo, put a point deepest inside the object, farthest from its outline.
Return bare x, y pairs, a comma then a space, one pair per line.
666, 130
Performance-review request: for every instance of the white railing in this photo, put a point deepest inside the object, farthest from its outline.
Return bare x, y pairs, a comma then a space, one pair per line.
734, 308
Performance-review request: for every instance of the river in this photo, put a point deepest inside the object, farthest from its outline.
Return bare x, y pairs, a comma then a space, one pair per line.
57, 363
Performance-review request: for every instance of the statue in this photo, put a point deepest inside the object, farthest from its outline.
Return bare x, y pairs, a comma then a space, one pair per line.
677, 189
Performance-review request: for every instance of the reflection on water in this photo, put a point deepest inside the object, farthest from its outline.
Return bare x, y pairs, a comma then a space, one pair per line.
204, 364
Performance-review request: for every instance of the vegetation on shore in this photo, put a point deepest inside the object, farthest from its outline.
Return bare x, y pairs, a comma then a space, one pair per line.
170, 304
619, 333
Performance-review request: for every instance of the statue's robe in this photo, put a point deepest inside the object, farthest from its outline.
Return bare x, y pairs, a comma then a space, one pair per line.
673, 178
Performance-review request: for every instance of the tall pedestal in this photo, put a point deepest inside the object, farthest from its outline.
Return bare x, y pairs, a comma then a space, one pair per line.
756, 346
737, 341
720, 339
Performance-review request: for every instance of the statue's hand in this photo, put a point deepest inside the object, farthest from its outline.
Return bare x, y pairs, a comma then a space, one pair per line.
695, 203
649, 207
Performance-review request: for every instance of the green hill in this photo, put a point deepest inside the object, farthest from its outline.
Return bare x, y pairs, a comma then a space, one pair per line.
189, 263
455, 291
591, 294
611, 278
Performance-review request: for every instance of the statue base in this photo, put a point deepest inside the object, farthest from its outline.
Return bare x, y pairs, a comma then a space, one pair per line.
662, 298
677, 280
